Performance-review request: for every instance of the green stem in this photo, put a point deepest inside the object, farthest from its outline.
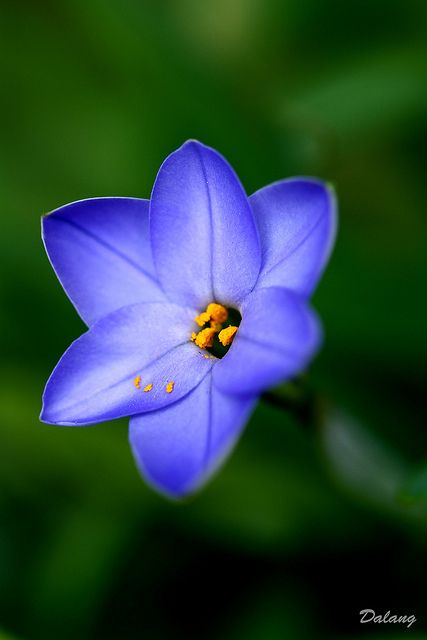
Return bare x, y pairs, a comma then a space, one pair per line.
297, 398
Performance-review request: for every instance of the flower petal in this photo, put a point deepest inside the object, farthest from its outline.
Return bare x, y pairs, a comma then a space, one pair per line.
103, 374
297, 222
204, 238
277, 337
179, 447
100, 251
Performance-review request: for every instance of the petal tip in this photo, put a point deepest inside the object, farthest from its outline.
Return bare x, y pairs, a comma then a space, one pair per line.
51, 414
48, 417
192, 142
174, 493
45, 219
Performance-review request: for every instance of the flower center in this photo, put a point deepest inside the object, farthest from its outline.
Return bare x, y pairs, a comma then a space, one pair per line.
218, 326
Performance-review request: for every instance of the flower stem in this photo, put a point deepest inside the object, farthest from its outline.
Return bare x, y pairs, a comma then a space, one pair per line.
299, 399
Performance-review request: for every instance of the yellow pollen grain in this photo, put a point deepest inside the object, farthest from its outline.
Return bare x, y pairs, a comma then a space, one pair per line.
148, 387
216, 326
226, 336
205, 338
137, 382
217, 312
170, 386
193, 336
202, 319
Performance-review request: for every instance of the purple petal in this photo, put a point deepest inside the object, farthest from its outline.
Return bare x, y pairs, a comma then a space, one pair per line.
277, 337
204, 238
297, 223
100, 251
178, 448
95, 378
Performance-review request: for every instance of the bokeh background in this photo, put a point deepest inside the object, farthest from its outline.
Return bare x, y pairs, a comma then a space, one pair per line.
306, 525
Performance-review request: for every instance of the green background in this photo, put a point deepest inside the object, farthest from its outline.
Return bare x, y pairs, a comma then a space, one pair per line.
304, 526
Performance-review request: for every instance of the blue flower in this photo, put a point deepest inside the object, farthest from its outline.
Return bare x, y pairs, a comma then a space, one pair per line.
196, 301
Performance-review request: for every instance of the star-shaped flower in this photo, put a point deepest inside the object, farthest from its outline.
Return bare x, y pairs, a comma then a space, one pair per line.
196, 302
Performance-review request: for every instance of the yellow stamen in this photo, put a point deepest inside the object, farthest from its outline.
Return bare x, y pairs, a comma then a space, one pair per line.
217, 312
205, 338
193, 336
202, 319
148, 387
169, 387
226, 336
216, 326
137, 382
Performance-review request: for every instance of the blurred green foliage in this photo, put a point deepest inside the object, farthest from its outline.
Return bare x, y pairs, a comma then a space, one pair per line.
304, 527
